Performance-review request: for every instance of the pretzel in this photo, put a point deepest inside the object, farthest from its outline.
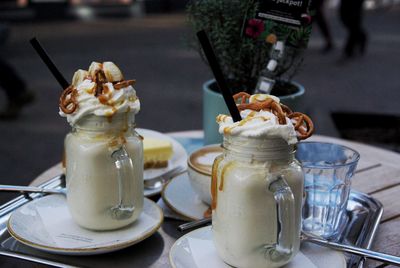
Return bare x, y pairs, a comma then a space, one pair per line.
124, 83
302, 124
276, 109
286, 109
256, 106
99, 79
68, 103
268, 104
243, 96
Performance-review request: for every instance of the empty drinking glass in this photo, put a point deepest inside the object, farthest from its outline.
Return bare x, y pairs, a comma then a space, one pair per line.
328, 169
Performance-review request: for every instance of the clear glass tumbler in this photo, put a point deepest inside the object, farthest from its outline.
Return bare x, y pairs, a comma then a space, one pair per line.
328, 169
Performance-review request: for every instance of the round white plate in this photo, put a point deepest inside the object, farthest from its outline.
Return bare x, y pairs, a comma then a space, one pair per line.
46, 224
180, 197
196, 250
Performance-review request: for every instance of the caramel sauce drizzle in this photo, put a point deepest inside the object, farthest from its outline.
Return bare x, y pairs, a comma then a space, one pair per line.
227, 130
214, 181
248, 119
223, 171
252, 114
103, 99
302, 123
207, 213
118, 140
63, 159
221, 118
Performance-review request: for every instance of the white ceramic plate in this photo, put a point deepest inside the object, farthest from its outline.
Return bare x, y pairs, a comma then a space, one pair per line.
196, 250
180, 197
46, 224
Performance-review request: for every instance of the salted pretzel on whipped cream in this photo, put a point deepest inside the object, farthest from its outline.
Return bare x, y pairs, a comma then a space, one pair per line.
303, 124
68, 103
100, 73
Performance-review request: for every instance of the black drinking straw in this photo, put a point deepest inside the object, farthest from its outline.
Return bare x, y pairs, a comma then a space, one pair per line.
219, 77
46, 59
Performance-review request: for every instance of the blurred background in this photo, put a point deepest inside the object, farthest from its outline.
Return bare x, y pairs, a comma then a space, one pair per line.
356, 98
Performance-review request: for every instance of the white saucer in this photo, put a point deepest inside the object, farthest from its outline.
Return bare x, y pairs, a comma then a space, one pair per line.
180, 197
46, 224
196, 250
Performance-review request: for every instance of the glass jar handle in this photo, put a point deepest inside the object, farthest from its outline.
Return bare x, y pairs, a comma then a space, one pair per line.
124, 164
283, 195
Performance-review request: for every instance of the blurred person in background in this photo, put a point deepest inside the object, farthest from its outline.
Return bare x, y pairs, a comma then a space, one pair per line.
15, 88
320, 19
351, 14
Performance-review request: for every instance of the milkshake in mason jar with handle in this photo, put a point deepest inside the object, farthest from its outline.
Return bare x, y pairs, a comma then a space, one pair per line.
103, 153
257, 184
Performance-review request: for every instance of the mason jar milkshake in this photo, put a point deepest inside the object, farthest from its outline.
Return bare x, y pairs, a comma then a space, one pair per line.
257, 185
103, 153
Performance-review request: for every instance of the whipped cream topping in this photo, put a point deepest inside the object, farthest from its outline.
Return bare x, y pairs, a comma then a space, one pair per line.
111, 100
258, 124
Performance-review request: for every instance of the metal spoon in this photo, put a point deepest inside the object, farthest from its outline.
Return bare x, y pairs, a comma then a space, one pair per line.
374, 255
194, 224
159, 181
31, 189
370, 254
151, 184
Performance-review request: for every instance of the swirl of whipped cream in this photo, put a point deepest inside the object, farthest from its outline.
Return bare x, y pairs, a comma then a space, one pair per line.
257, 124
111, 101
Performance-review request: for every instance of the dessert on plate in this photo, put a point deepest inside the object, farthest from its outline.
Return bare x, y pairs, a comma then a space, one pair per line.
157, 152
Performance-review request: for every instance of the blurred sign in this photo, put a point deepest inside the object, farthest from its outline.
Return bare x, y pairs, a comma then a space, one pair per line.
292, 12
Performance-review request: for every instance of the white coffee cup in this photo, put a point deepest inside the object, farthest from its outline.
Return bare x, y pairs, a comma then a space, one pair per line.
200, 168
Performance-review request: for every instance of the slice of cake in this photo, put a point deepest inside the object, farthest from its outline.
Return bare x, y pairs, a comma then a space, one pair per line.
157, 152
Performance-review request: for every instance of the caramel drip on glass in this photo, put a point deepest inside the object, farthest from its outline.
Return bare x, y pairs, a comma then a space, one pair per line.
63, 159
117, 141
224, 170
207, 213
214, 181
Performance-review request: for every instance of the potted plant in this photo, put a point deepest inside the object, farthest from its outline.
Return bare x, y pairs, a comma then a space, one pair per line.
243, 44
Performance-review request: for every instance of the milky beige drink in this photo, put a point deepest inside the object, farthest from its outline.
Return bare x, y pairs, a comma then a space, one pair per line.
103, 153
257, 187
